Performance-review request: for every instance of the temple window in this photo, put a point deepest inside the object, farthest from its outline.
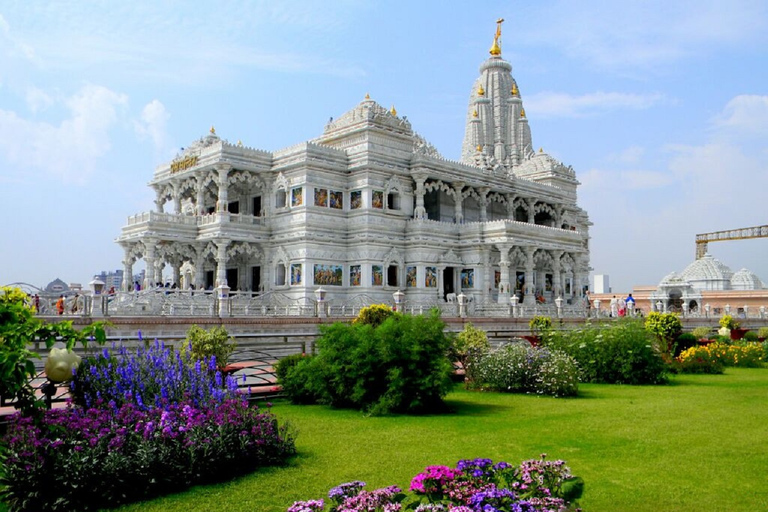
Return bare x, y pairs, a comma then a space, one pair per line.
393, 201
234, 207
256, 203
521, 214
280, 275
392, 275
280, 198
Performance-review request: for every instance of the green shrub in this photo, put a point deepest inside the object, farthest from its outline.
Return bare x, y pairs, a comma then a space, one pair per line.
620, 352
745, 355
765, 350
520, 368
724, 340
750, 336
685, 341
399, 366
701, 360
666, 327
728, 322
540, 324
470, 344
762, 332
201, 344
286, 364
702, 333
374, 315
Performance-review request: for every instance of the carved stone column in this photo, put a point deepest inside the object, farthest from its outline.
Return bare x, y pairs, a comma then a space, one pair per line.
528, 289
556, 278
221, 262
199, 269
484, 203
127, 270
177, 198
159, 200
200, 200
176, 274
440, 290
504, 286
458, 217
420, 213
486, 275
531, 213
149, 261
222, 205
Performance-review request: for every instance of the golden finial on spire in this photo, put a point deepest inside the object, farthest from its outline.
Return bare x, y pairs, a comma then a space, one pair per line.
213, 130
474, 114
515, 91
496, 47
479, 148
522, 112
541, 150
480, 90
393, 111
239, 142
367, 96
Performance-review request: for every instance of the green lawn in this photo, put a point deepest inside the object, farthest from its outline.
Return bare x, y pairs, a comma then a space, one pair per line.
696, 444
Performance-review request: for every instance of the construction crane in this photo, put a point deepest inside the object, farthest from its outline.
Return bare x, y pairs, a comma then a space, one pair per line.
703, 239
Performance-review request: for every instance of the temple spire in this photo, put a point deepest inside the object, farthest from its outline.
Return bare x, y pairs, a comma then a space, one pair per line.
496, 47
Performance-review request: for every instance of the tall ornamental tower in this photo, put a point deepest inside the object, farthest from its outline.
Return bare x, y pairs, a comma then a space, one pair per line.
497, 131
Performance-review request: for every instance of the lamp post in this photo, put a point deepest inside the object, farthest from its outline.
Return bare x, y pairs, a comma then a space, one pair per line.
762, 311
659, 305
398, 296
597, 308
727, 309
685, 309
559, 306
746, 312
514, 299
707, 307
97, 288
320, 296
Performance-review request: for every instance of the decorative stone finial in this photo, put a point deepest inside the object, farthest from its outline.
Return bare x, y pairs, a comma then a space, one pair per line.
496, 47
474, 114
213, 130
480, 90
367, 96
479, 148
515, 92
239, 142
393, 111
541, 150
522, 112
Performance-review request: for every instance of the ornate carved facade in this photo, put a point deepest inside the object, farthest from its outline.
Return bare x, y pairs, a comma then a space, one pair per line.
370, 207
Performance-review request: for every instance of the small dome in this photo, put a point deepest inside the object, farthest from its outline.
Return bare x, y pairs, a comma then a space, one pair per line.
673, 278
708, 273
746, 280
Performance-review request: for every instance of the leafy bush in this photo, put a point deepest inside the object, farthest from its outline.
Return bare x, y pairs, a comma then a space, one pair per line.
765, 350
469, 345
540, 324
398, 366
202, 345
286, 364
684, 342
745, 355
149, 377
762, 332
537, 485
666, 327
742, 354
88, 459
620, 352
373, 315
750, 336
728, 322
519, 367
19, 329
700, 360
701, 333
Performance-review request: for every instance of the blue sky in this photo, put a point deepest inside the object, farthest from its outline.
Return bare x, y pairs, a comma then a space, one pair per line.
661, 107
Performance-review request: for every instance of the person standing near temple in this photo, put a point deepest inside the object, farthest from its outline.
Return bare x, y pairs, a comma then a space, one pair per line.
630, 301
614, 307
60, 305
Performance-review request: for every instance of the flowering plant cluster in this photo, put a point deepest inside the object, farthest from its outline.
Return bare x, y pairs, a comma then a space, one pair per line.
714, 357
474, 485
148, 378
520, 367
110, 454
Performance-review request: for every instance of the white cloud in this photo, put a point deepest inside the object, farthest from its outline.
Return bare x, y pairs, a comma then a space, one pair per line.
744, 116
153, 122
71, 149
38, 99
553, 104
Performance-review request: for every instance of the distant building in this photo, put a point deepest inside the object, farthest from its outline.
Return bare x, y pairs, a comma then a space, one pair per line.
111, 279
602, 284
57, 286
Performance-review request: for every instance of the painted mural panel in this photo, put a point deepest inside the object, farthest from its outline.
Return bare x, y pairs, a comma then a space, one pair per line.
430, 277
468, 278
410, 277
377, 275
337, 200
356, 199
321, 197
355, 275
378, 199
329, 275
296, 272
297, 196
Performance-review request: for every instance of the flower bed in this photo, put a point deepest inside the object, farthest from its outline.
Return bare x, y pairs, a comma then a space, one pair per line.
474, 485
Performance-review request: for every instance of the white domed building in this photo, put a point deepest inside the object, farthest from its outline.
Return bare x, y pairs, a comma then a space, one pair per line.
709, 282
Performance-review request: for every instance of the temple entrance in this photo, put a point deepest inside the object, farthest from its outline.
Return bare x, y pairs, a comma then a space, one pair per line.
255, 279
448, 286
392, 275
675, 302
232, 280
209, 279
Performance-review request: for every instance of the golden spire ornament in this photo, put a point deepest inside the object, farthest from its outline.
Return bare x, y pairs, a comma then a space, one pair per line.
480, 90
393, 111
367, 96
213, 130
496, 47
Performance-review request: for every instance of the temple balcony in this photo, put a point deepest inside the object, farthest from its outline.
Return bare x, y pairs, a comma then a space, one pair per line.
189, 227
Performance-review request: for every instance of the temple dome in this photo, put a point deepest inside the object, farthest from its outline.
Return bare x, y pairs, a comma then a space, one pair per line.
708, 273
746, 280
